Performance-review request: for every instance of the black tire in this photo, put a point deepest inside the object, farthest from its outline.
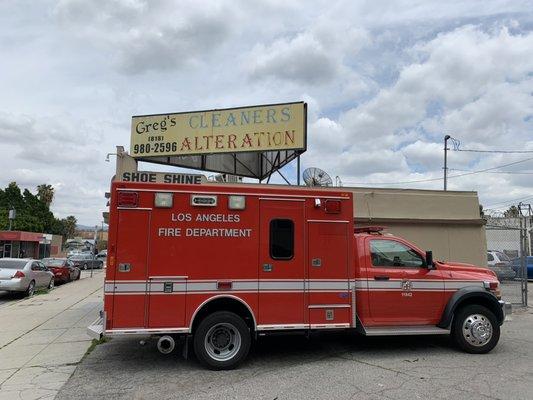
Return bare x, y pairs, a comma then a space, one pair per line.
223, 329
470, 326
30, 290
101, 265
84, 267
51, 284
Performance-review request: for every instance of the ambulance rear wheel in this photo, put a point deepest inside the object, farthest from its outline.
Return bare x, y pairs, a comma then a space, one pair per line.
222, 340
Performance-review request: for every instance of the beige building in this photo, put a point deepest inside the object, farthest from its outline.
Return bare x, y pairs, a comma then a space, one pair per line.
448, 222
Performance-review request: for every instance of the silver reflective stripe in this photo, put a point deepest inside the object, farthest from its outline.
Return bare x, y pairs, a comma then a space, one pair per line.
130, 287
324, 285
427, 285
207, 286
283, 285
449, 285
384, 284
245, 286
201, 286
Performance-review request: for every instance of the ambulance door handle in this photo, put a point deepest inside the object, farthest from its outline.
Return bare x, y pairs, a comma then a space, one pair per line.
267, 267
381, 278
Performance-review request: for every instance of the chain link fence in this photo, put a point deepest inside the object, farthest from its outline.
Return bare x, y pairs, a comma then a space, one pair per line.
508, 254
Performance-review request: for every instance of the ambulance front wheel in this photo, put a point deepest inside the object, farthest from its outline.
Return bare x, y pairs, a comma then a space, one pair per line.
222, 340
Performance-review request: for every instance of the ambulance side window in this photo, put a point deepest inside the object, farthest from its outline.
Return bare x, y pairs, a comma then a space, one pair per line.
281, 239
389, 253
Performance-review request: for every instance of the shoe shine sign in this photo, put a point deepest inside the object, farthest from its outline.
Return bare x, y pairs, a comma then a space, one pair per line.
248, 129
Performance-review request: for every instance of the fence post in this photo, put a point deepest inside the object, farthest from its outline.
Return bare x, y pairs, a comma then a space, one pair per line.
523, 258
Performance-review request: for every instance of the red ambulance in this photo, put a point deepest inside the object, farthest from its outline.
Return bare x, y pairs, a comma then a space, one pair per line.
221, 264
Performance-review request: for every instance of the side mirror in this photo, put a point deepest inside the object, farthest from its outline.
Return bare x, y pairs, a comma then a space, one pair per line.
429, 260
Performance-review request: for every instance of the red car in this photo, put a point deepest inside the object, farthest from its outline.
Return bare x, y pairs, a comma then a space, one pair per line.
63, 269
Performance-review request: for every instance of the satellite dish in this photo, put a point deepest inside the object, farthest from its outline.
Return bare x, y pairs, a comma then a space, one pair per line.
316, 177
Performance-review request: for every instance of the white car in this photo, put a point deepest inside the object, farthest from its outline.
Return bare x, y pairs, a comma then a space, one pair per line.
24, 275
500, 263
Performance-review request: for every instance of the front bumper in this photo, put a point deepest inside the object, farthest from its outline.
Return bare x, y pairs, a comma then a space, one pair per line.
507, 309
13, 285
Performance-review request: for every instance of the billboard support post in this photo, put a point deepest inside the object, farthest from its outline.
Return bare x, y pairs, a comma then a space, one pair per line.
298, 170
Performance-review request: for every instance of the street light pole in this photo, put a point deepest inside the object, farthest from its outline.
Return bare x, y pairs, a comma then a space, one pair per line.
12, 215
446, 161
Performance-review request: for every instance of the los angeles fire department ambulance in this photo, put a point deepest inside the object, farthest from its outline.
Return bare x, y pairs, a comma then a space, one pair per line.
222, 264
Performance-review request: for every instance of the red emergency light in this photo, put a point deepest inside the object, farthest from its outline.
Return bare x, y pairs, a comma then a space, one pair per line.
369, 229
332, 206
127, 199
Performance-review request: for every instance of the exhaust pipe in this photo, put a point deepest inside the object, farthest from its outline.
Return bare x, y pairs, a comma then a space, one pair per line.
166, 344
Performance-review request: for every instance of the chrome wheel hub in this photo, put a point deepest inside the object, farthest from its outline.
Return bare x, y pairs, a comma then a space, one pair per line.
477, 330
222, 341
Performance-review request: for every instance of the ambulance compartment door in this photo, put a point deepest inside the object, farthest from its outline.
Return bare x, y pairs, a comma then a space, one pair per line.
129, 297
281, 264
329, 297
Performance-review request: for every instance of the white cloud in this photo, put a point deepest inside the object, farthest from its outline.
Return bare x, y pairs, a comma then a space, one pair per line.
384, 82
143, 36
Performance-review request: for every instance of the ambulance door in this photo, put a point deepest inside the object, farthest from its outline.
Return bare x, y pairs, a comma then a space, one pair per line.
129, 297
281, 263
328, 284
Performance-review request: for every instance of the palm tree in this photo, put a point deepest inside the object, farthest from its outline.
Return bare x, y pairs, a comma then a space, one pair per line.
45, 193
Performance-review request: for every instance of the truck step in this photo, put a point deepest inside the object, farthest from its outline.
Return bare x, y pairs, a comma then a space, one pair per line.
405, 330
96, 329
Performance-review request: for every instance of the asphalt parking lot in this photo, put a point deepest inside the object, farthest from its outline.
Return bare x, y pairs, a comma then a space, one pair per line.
333, 366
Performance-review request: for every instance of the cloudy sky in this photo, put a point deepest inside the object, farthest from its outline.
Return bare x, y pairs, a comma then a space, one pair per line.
384, 82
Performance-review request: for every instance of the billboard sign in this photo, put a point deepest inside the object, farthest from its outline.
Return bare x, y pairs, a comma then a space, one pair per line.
275, 127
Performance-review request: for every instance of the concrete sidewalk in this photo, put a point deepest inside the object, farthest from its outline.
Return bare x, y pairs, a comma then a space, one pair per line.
43, 338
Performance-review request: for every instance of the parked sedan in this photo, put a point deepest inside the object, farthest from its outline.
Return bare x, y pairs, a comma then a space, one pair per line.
63, 269
24, 275
500, 263
86, 261
517, 265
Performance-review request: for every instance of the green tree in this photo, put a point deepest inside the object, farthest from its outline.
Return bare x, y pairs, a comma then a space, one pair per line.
511, 212
33, 211
45, 193
69, 225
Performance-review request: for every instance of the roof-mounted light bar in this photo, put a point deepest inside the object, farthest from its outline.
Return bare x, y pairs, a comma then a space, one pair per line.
369, 229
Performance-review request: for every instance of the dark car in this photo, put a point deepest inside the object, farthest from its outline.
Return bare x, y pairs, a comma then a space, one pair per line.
63, 269
86, 261
517, 265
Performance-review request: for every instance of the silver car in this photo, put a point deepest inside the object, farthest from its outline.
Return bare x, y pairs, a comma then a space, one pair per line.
24, 275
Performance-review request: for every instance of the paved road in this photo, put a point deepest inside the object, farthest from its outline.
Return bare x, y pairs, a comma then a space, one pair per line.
43, 338
335, 366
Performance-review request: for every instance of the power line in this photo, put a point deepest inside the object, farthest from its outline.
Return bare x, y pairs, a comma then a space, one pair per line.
495, 172
438, 179
508, 202
494, 151
457, 143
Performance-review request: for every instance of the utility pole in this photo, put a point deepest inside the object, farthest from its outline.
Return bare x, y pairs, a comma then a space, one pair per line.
446, 161
12, 215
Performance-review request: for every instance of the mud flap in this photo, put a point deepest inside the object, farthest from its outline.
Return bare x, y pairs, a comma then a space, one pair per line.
185, 347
